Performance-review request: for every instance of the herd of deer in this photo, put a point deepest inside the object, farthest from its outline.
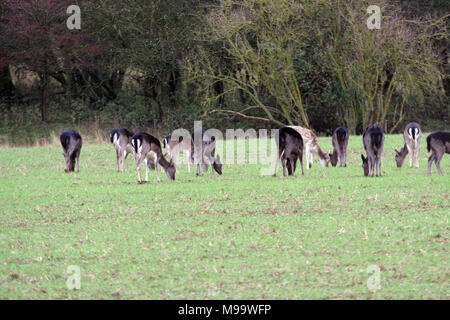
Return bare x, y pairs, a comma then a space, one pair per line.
291, 142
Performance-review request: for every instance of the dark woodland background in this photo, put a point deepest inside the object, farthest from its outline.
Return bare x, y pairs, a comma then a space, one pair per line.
158, 65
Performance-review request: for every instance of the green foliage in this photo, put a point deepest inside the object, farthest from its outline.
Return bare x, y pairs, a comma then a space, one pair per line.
162, 64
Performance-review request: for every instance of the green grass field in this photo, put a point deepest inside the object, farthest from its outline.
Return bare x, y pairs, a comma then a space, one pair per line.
241, 235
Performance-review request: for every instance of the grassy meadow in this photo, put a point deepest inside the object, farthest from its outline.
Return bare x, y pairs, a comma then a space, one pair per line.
241, 235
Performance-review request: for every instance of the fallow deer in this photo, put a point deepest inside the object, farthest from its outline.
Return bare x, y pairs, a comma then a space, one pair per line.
311, 146
438, 143
121, 139
373, 140
340, 142
176, 145
203, 150
147, 149
290, 149
412, 136
71, 144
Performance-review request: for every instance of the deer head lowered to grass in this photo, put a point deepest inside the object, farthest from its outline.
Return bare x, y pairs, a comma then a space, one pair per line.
373, 140
148, 150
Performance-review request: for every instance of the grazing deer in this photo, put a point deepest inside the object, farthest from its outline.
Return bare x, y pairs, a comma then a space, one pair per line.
438, 143
202, 152
71, 144
340, 142
412, 136
148, 150
290, 149
176, 146
121, 139
373, 140
311, 146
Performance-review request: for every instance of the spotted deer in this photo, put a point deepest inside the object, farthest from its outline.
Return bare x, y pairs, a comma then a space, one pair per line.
121, 140
412, 136
290, 149
147, 150
311, 146
71, 143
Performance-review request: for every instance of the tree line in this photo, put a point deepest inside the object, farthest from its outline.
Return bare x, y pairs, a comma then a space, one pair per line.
249, 62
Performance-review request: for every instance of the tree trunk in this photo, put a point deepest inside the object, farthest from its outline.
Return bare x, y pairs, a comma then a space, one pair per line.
44, 85
6, 85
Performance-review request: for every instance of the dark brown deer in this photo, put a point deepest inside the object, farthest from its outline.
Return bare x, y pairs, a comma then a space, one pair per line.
438, 143
290, 149
121, 139
412, 136
148, 150
311, 146
71, 144
340, 142
373, 140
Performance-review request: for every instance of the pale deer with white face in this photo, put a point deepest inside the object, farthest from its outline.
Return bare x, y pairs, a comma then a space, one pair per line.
412, 136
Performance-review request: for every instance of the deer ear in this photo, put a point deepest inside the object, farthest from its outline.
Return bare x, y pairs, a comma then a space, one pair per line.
362, 157
396, 151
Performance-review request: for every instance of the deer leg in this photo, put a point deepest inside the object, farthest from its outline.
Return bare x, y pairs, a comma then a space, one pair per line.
123, 158
276, 164
188, 156
376, 166
138, 165
410, 153
283, 163
78, 161
157, 169
301, 164
438, 162
307, 157
379, 166
146, 169
370, 166
416, 158
174, 160
118, 159
292, 162
430, 161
